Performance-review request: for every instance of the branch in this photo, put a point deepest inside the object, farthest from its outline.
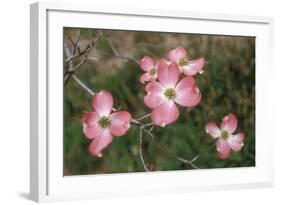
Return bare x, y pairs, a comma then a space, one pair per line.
88, 48
163, 148
144, 117
117, 54
140, 150
69, 59
79, 82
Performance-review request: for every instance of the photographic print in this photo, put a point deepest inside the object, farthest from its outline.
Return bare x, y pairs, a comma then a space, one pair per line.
141, 101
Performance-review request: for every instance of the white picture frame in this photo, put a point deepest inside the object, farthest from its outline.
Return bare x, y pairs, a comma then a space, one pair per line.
47, 182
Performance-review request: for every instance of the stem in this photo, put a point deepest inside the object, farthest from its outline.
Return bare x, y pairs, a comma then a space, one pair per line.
140, 150
83, 85
117, 54
163, 148
144, 117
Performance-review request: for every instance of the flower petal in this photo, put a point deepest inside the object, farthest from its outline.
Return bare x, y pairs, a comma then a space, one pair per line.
223, 148
154, 87
236, 142
213, 130
187, 92
154, 95
193, 67
100, 142
168, 75
119, 123
146, 63
165, 114
90, 126
176, 54
146, 77
102, 102
229, 123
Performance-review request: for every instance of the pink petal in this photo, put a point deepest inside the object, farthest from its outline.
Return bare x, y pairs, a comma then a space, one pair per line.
176, 54
223, 148
102, 102
100, 142
213, 130
236, 142
146, 63
154, 87
119, 123
154, 95
187, 92
229, 123
146, 77
90, 126
194, 66
168, 75
165, 114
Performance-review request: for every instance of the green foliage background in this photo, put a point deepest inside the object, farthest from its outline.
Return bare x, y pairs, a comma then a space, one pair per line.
227, 85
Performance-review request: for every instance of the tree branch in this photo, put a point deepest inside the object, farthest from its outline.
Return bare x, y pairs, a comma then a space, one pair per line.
117, 54
140, 150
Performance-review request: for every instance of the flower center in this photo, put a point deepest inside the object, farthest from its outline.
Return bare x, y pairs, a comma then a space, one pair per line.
183, 62
224, 135
170, 93
104, 122
152, 71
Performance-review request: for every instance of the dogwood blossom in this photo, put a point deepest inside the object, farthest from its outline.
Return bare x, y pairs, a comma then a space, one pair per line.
186, 66
163, 96
101, 125
226, 140
150, 67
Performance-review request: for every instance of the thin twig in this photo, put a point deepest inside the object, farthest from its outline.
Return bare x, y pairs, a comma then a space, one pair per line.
140, 150
85, 87
76, 42
85, 52
71, 57
113, 47
190, 162
144, 117
151, 128
88, 48
117, 54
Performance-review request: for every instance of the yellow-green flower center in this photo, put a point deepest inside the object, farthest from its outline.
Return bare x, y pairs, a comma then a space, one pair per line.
152, 71
104, 122
183, 62
224, 135
170, 93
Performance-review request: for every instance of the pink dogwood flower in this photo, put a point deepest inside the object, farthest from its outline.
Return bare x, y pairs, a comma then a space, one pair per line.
186, 66
163, 96
226, 140
150, 67
102, 124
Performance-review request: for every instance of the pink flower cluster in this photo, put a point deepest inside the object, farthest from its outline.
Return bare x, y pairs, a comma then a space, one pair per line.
170, 83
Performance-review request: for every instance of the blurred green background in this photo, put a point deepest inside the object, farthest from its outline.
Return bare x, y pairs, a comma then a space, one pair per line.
227, 85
